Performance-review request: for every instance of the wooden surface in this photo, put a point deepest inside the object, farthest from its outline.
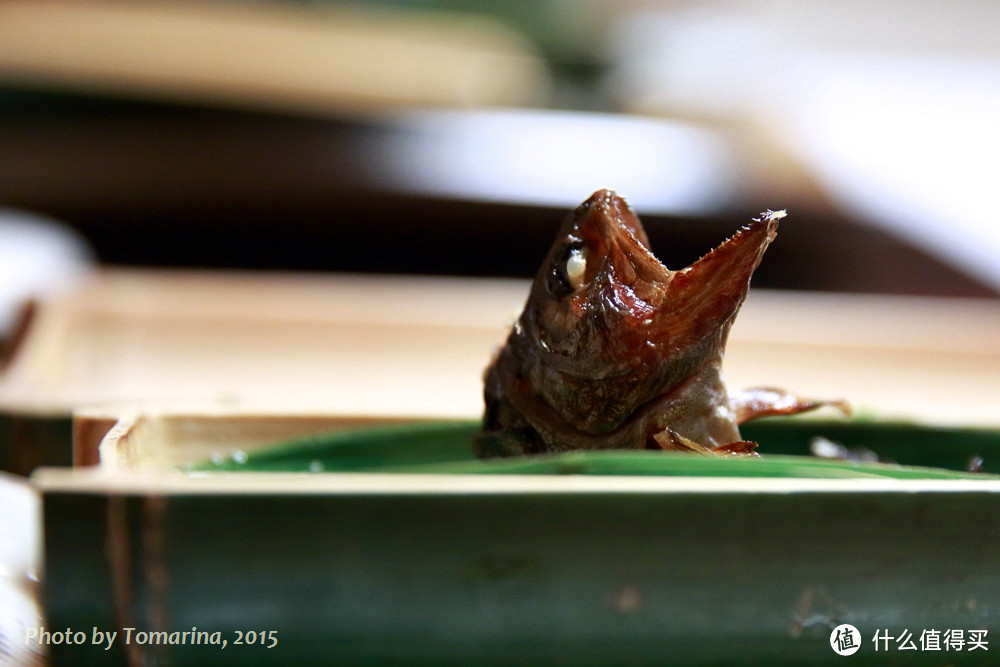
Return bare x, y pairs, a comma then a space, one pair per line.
166, 437
382, 346
309, 60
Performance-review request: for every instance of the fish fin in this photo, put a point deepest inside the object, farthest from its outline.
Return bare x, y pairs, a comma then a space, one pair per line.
670, 440
738, 448
759, 402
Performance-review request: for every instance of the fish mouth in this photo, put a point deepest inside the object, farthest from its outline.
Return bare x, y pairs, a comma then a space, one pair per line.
706, 296
622, 274
614, 243
603, 305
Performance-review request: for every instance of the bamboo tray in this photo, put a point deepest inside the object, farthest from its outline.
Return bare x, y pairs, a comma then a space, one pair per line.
440, 563
393, 347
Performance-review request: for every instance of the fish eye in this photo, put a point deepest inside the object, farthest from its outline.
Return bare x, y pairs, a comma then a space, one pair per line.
576, 267
568, 273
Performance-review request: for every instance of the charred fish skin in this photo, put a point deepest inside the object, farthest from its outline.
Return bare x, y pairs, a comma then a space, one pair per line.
615, 351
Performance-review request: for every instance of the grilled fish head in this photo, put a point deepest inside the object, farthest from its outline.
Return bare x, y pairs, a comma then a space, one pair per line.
611, 343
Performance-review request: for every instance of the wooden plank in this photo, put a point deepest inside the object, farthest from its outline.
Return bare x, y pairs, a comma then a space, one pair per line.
314, 60
355, 347
405, 346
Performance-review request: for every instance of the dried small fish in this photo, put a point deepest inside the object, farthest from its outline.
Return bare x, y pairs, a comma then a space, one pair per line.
615, 351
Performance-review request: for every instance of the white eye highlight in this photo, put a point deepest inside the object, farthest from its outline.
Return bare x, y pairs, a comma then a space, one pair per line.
576, 267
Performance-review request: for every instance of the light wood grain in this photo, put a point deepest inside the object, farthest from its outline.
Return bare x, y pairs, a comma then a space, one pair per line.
262, 55
383, 346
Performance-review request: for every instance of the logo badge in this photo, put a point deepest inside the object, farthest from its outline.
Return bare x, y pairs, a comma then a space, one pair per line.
845, 639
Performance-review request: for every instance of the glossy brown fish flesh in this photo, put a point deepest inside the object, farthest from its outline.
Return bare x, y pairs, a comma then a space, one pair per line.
615, 351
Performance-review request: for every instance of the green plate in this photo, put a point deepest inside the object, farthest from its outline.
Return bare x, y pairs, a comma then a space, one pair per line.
916, 452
